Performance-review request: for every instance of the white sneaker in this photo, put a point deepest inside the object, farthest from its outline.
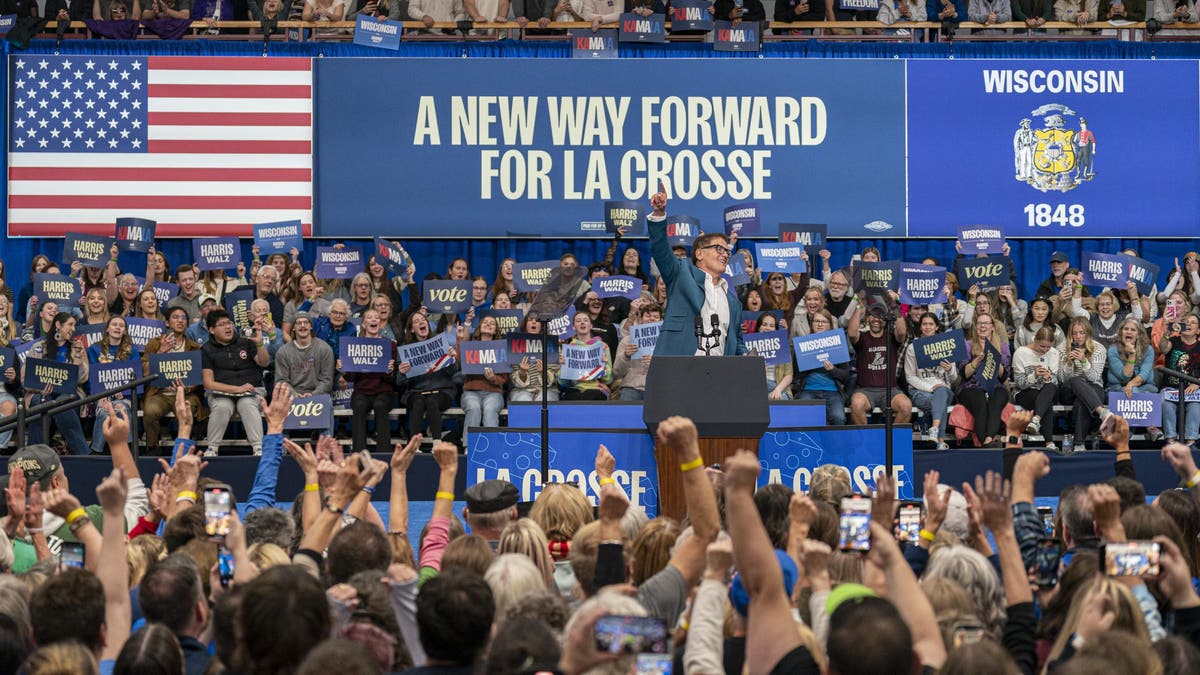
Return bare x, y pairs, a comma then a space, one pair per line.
210, 451
1051, 446
257, 450
1105, 413
1035, 427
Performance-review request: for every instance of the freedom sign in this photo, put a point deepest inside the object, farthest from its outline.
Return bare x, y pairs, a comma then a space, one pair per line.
447, 297
338, 263
583, 362
922, 284
479, 355
742, 219
62, 378
617, 286
310, 412
988, 273
1140, 410
813, 350
216, 253
645, 336
90, 249
948, 346
59, 289
185, 366
779, 257
973, 239
135, 234
112, 376
1100, 269
279, 237
427, 356
771, 345
364, 354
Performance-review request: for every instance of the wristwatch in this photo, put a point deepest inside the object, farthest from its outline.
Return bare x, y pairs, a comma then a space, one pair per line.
1012, 440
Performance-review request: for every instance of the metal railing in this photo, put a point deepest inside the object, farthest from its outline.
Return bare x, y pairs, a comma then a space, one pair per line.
42, 412
1180, 408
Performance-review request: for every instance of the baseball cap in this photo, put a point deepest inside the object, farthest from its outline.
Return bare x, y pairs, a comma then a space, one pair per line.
204, 297
37, 461
1059, 256
739, 597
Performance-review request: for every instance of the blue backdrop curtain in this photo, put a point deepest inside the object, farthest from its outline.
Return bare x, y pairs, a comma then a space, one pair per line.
1030, 255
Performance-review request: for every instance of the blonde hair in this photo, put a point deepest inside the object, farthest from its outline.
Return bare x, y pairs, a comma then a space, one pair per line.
1124, 605
512, 576
470, 552
264, 554
523, 536
142, 552
560, 510
651, 549
62, 658
402, 551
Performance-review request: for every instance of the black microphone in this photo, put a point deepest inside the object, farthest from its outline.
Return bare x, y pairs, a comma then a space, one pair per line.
716, 322
699, 327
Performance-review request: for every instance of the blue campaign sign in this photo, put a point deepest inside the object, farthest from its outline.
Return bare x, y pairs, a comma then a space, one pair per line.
875, 277
392, 256
771, 345
90, 249
338, 263
562, 326
479, 355
104, 377
577, 133
90, 334
988, 372
381, 33
742, 219
690, 15
447, 297
8, 357
279, 237
142, 331
859, 5
735, 270
1101, 269
586, 44
814, 349
922, 284
58, 288
583, 362
750, 319
948, 346
310, 412
1140, 410
185, 366
428, 356
507, 320
988, 273
341, 397
682, 230
7, 21
61, 378
813, 236
1143, 273
526, 346
624, 214
779, 257
530, 277
645, 336
744, 37
788, 456
617, 286
1033, 142
136, 234
237, 303
364, 354
165, 292
987, 239
216, 253
638, 28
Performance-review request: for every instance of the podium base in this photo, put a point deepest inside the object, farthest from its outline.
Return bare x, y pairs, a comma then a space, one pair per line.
713, 450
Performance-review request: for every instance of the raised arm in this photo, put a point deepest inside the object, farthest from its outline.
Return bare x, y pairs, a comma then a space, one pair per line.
679, 434
402, 457
112, 570
907, 597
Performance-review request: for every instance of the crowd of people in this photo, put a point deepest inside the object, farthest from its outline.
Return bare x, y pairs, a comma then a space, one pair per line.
1061, 345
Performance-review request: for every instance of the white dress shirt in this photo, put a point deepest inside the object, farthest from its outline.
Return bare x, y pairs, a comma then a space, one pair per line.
716, 301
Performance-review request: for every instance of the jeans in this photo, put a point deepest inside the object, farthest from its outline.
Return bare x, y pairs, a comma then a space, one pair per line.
519, 395
221, 411
934, 404
421, 408
363, 405
1086, 397
631, 394
481, 408
1041, 402
98, 441
67, 424
835, 405
1191, 420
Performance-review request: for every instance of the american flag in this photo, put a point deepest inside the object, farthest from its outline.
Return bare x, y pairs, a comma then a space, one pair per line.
208, 145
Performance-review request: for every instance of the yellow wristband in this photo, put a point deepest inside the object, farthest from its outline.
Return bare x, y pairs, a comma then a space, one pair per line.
186, 494
444, 495
606, 481
1194, 480
928, 536
311, 487
694, 464
75, 515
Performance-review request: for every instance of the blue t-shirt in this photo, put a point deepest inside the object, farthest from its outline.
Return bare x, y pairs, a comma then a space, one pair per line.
819, 381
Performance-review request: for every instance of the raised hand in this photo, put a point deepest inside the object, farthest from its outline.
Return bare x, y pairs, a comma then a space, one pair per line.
304, 456
112, 492
936, 503
1179, 456
276, 413
992, 493
402, 455
679, 434
613, 503
605, 463
116, 426
741, 471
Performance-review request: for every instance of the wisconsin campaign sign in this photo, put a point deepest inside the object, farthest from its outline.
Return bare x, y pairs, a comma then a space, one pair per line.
624, 214
922, 284
948, 346
779, 257
310, 412
586, 44
583, 362
742, 219
364, 354
135, 234
987, 239
690, 15
58, 288
427, 356
1100, 269
448, 297
645, 336
638, 28
771, 345
216, 253
185, 366
814, 349
479, 355
90, 249
529, 277
372, 32
104, 377
617, 286
62, 378
279, 237
988, 273
1140, 410
338, 263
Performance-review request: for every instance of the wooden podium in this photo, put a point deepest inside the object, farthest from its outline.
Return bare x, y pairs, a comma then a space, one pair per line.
725, 396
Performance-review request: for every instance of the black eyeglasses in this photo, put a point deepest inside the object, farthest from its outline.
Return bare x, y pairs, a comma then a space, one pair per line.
719, 248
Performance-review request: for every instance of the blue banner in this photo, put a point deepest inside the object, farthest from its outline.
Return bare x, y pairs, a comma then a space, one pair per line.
428, 356
779, 257
645, 336
536, 149
372, 32
447, 297
142, 331
790, 456
1143, 273
61, 378
392, 256
479, 355
104, 377
922, 284
690, 15
771, 345
987, 239
638, 28
682, 230
279, 237
216, 253
1032, 140
742, 219
1172, 395
92, 250
63, 290
165, 292
586, 44
341, 396
338, 263
185, 366
988, 273
136, 234
624, 214
1140, 410
814, 349
948, 346
364, 354
523, 345
743, 37
310, 412
530, 277
90, 334
1101, 269
617, 286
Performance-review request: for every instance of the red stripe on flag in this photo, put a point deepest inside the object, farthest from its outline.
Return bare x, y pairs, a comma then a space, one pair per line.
232, 119
156, 202
241, 147
158, 174
230, 90
229, 63
163, 229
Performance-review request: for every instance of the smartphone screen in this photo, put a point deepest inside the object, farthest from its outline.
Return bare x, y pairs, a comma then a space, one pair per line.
1047, 515
1130, 558
218, 502
617, 634
225, 567
654, 664
71, 555
910, 523
855, 524
1047, 561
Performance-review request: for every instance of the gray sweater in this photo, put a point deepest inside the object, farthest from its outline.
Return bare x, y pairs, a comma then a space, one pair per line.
308, 370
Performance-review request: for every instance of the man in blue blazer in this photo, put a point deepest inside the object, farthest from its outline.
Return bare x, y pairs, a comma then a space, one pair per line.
694, 290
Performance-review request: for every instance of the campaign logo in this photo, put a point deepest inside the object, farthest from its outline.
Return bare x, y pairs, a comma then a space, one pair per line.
878, 226
1055, 157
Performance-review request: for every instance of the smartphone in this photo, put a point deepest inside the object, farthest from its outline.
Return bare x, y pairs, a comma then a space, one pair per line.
1170, 312
1130, 558
71, 555
1047, 562
910, 522
218, 502
653, 664
1047, 515
225, 567
620, 634
855, 524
